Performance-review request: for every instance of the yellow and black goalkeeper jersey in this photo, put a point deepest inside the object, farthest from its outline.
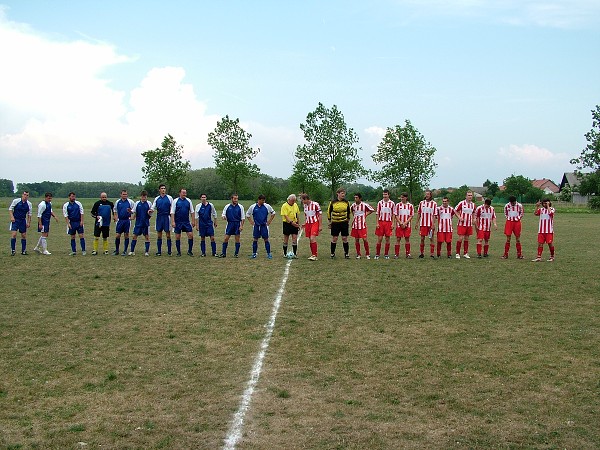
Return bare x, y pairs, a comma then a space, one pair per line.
338, 211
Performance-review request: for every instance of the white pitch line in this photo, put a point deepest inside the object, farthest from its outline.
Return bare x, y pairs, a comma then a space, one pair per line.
235, 431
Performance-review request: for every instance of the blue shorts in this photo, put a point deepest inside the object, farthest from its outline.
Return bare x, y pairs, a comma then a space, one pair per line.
45, 228
163, 223
123, 226
76, 228
185, 226
233, 229
140, 230
260, 231
19, 225
206, 230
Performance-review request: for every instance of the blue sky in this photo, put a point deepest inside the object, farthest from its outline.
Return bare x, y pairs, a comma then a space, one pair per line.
498, 87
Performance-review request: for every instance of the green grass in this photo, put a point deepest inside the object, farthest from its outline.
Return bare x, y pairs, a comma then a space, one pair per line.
155, 352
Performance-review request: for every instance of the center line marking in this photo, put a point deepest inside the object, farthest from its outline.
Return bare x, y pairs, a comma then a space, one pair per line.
235, 431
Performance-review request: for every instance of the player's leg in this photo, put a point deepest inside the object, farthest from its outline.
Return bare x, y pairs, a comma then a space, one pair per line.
133, 244
190, 236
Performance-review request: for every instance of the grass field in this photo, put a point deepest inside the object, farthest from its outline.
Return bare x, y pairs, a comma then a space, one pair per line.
114, 352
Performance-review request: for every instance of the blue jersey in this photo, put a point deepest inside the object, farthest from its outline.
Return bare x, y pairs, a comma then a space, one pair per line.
73, 211
181, 208
142, 219
124, 208
21, 209
260, 213
162, 205
45, 211
233, 213
205, 214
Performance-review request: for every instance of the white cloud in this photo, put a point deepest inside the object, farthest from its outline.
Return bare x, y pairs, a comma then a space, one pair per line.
375, 131
72, 122
532, 154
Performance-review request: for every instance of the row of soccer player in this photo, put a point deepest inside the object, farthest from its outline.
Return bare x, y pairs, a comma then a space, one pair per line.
180, 216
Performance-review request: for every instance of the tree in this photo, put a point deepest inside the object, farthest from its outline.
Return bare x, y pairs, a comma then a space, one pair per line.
457, 195
233, 154
517, 185
406, 159
492, 188
7, 188
329, 155
590, 159
206, 181
166, 164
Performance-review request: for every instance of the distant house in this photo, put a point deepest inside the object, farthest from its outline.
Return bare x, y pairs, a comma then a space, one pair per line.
546, 185
571, 181
478, 192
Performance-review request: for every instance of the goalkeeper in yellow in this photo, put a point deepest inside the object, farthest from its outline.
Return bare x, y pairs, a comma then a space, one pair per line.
338, 216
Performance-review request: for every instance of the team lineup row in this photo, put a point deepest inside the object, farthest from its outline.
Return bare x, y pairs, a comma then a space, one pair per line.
178, 215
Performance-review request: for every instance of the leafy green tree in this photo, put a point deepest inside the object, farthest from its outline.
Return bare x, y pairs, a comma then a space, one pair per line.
329, 155
517, 185
406, 159
233, 154
492, 188
206, 181
590, 159
457, 195
166, 165
7, 187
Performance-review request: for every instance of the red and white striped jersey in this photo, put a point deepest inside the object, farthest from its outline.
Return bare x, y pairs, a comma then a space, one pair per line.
513, 213
444, 215
546, 219
465, 210
485, 215
312, 212
359, 211
385, 210
427, 211
404, 211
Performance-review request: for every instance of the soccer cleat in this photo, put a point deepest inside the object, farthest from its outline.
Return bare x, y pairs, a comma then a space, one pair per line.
131, 254
457, 256
124, 254
479, 256
83, 253
386, 257
486, 255
449, 256
357, 256
538, 259
551, 259
408, 256
432, 256
178, 254
203, 255
421, 256
235, 255
106, 252
157, 254
466, 256
269, 256
46, 252
295, 256
504, 257
169, 253
520, 257
368, 256
190, 253
12, 253
115, 253
376, 257
24, 253
347, 256
332, 255
72, 254
312, 258
221, 255
94, 253
253, 256
395, 256
146, 254
36, 249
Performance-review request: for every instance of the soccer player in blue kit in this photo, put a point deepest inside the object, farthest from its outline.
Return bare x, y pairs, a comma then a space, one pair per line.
20, 218
102, 211
182, 219
122, 211
141, 213
44, 214
233, 213
162, 206
206, 222
260, 215
73, 213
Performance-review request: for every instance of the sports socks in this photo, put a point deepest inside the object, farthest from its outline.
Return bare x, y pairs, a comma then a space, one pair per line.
237, 248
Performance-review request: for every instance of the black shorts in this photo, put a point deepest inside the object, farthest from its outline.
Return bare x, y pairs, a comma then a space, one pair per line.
104, 230
288, 229
339, 227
